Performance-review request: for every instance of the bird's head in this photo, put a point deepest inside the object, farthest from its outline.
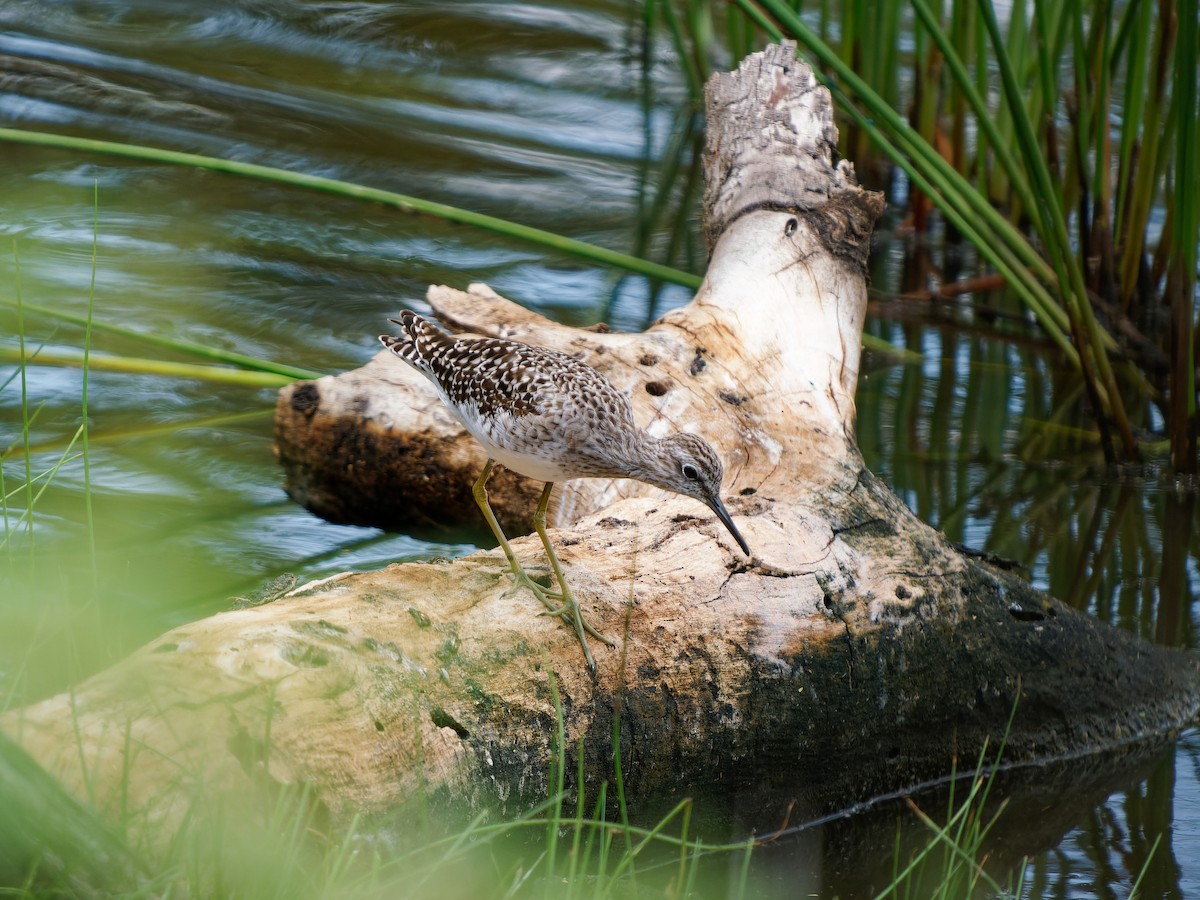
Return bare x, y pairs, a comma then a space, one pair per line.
688, 465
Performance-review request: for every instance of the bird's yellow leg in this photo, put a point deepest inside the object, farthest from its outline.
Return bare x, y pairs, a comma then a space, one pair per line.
570, 608
521, 576
481, 500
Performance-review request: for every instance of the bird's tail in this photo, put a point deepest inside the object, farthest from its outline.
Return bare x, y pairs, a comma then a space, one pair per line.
419, 342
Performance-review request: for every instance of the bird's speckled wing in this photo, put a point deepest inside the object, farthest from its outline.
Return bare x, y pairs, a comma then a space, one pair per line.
540, 412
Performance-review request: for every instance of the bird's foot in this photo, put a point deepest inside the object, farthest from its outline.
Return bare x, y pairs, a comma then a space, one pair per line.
523, 580
566, 609
566, 612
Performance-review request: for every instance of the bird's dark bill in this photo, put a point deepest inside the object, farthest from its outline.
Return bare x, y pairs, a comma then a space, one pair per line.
723, 514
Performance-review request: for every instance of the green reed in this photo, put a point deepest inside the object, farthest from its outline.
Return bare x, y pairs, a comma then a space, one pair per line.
1048, 142
400, 202
951, 863
968, 433
131, 365
89, 517
163, 342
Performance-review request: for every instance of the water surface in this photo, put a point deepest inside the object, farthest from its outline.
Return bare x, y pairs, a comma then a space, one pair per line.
541, 113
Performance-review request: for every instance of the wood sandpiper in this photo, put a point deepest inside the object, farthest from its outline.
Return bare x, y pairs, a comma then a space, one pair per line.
551, 417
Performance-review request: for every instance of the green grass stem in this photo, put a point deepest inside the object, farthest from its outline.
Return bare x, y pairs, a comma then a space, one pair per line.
1183, 239
1072, 325
1135, 891
401, 202
1056, 238
995, 238
988, 127
138, 366
47, 475
203, 351
26, 418
744, 873
134, 432
558, 765
577, 824
537, 820
32, 498
89, 518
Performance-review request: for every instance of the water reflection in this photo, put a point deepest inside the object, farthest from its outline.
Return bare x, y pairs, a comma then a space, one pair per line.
542, 114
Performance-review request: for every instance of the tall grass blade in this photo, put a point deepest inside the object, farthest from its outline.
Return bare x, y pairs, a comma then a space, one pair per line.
558, 765
1050, 220
1182, 241
744, 872
1000, 243
1135, 891
157, 429
401, 202
137, 366
89, 518
53, 844
216, 354
26, 419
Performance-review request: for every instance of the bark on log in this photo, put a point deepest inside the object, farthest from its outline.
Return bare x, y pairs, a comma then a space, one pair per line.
858, 652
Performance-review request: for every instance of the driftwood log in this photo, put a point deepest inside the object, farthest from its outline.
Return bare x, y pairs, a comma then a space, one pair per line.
857, 652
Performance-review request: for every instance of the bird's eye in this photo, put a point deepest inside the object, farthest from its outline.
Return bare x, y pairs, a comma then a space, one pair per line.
790, 227
690, 472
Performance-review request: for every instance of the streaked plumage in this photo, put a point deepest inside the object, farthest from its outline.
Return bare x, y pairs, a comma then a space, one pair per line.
551, 417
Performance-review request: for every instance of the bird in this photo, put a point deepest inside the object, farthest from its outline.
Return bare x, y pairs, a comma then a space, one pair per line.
551, 417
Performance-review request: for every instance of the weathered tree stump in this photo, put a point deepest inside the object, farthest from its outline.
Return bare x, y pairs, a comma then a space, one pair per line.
857, 652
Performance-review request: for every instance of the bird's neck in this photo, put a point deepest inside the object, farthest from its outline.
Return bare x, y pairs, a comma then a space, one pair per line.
644, 458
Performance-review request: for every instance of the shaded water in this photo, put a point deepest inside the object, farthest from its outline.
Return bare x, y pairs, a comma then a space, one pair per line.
538, 113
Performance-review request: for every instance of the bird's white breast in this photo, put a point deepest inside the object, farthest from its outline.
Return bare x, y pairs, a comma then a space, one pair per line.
499, 435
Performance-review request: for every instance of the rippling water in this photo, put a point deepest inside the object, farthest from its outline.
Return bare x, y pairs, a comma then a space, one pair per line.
542, 114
